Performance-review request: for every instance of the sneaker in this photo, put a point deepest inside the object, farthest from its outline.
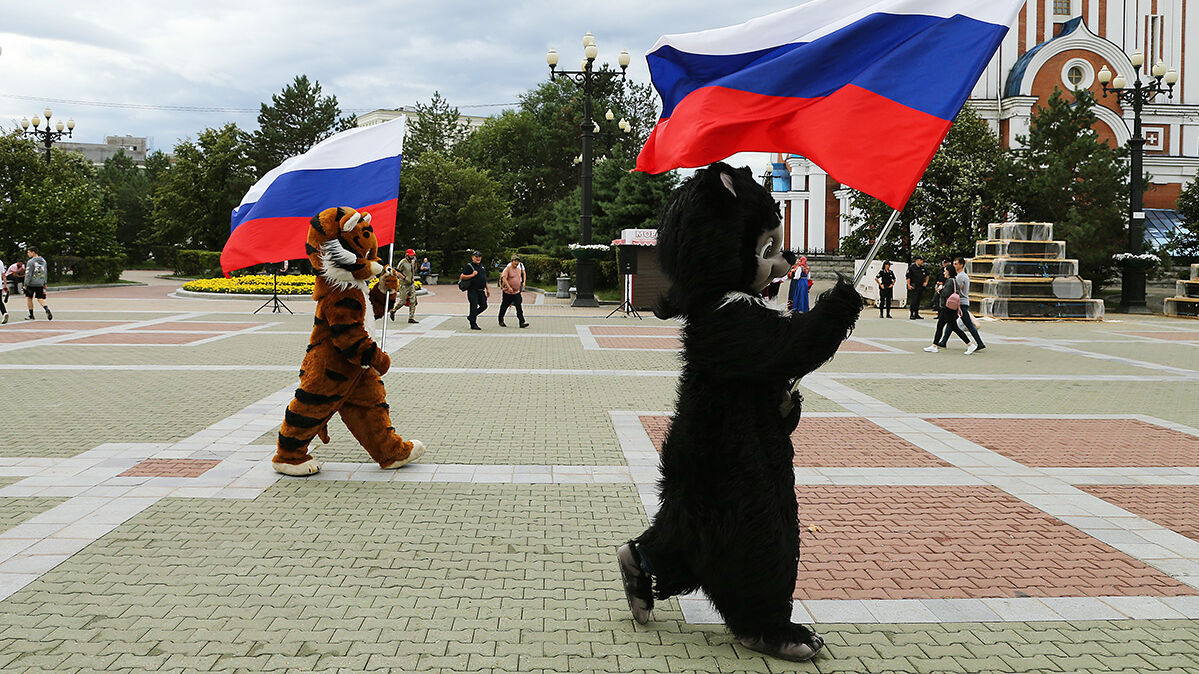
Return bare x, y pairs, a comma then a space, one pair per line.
5, 320
638, 585
971, 348
524, 325
796, 651
981, 347
475, 327
413, 320
30, 317
931, 348
49, 316
502, 325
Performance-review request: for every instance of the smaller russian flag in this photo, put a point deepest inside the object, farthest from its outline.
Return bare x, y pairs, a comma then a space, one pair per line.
867, 89
359, 168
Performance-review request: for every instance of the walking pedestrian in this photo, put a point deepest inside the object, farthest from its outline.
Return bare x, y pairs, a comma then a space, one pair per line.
963, 284
947, 316
406, 294
886, 287
512, 282
475, 274
917, 282
36, 275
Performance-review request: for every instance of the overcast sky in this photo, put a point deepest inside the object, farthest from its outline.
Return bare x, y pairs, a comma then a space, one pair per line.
369, 53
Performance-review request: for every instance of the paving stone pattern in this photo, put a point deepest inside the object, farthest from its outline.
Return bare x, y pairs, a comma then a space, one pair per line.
1175, 507
954, 542
860, 443
64, 413
13, 511
1084, 443
171, 468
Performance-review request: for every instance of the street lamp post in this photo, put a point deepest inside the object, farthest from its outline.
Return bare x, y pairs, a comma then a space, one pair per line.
586, 78
47, 136
1132, 285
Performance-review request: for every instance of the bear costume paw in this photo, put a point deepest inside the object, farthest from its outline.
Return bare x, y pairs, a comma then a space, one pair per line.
805, 646
418, 450
309, 467
638, 584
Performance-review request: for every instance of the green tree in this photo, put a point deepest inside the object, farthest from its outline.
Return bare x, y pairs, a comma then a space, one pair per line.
530, 150
436, 127
958, 195
453, 205
1066, 175
1185, 240
192, 204
128, 193
59, 207
297, 118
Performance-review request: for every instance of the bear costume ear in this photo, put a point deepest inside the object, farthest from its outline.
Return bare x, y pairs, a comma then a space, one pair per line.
727, 181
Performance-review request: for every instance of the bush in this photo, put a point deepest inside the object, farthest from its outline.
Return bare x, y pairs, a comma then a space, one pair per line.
164, 255
99, 269
198, 263
542, 268
605, 272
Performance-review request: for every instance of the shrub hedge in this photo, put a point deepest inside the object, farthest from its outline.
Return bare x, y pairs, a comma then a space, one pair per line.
198, 263
98, 269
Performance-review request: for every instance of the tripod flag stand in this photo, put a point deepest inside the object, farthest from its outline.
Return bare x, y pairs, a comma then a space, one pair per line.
276, 304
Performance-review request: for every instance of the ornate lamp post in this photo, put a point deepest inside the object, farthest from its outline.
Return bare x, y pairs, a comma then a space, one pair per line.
1132, 287
586, 79
47, 136
607, 138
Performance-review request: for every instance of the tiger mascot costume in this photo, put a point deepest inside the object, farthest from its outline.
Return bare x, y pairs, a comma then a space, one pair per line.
343, 367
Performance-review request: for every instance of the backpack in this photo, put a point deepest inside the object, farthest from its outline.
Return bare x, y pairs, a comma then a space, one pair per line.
35, 272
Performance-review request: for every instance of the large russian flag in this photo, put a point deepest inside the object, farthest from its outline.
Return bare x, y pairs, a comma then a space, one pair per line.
867, 89
359, 168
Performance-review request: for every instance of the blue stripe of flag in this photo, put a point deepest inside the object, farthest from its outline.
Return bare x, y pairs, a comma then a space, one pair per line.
305, 193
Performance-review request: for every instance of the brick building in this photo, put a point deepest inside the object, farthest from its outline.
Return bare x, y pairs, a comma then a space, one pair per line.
1055, 43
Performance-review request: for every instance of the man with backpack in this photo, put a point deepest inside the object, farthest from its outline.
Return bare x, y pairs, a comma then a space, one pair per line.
36, 273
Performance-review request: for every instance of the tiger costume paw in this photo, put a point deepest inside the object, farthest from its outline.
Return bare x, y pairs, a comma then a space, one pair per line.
418, 450
309, 467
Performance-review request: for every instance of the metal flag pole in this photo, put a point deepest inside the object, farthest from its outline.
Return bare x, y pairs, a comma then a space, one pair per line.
878, 243
391, 256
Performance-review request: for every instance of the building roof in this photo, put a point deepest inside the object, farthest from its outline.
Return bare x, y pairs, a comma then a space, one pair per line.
1016, 76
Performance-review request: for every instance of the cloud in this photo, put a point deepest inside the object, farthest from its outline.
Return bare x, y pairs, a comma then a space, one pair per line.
369, 53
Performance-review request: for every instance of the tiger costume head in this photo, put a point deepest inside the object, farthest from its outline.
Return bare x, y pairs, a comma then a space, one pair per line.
342, 246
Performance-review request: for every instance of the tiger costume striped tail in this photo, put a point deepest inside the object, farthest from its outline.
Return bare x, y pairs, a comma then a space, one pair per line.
343, 368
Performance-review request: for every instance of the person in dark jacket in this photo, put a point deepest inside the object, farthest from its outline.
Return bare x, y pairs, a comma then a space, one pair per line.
476, 292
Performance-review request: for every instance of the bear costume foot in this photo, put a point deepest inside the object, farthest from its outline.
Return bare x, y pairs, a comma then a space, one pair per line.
638, 583
418, 449
806, 645
309, 467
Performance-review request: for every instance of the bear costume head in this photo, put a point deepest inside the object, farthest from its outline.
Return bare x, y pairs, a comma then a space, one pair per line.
720, 232
342, 246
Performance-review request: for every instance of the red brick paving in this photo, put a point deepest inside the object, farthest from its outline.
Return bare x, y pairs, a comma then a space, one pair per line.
638, 343
632, 330
138, 338
955, 542
1173, 507
170, 468
860, 444
14, 336
1171, 335
1079, 443
41, 324
198, 325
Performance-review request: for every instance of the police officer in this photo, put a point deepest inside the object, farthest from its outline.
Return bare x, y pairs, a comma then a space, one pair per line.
886, 287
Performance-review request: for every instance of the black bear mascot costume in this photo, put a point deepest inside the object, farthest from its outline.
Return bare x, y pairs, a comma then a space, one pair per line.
728, 521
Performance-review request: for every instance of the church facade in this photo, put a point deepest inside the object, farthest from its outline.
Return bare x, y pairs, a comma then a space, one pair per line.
1062, 44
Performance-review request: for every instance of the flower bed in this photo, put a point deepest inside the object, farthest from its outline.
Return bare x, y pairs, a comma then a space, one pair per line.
259, 284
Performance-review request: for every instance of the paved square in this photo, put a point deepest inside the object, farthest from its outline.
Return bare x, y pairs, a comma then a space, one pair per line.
1027, 508
860, 443
1079, 442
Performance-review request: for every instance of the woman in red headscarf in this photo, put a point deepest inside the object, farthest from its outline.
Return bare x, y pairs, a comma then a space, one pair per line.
797, 299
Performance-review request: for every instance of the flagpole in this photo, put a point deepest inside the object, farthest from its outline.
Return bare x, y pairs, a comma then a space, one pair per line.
391, 256
878, 243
